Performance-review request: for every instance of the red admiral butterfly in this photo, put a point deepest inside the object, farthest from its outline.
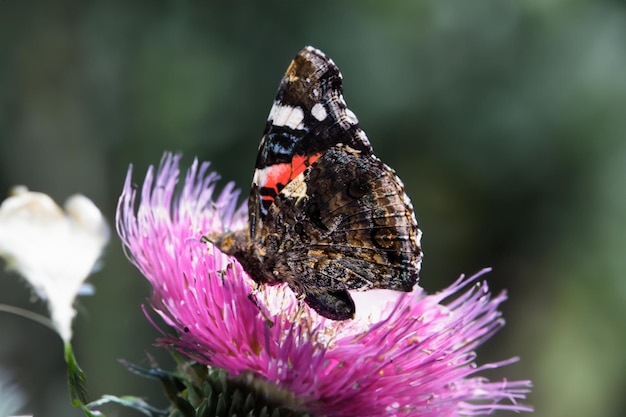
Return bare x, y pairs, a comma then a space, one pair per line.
325, 214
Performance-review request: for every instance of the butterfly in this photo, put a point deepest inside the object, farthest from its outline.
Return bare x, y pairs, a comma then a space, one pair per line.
325, 215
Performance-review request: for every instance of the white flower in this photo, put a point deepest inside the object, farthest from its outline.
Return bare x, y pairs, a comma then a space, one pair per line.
54, 250
12, 398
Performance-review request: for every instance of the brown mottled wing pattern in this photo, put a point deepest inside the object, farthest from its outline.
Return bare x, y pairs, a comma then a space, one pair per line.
325, 215
345, 223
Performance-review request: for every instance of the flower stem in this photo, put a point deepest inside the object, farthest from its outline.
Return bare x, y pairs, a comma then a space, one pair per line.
37, 318
76, 380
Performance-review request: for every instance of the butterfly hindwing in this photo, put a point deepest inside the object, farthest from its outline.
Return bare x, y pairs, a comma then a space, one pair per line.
345, 223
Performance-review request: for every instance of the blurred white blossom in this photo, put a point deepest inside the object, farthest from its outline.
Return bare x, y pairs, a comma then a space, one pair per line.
55, 250
12, 398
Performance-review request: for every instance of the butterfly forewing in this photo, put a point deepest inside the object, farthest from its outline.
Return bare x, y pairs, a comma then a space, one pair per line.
308, 117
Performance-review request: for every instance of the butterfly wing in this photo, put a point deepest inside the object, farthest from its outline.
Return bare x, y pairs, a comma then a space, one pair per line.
325, 215
308, 117
345, 223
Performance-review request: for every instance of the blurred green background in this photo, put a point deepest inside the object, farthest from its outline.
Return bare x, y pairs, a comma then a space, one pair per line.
505, 119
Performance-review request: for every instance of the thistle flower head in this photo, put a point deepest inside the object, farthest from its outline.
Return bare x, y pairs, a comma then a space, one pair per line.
403, 354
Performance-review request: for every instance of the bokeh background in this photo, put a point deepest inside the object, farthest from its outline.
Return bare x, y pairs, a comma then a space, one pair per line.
505, 119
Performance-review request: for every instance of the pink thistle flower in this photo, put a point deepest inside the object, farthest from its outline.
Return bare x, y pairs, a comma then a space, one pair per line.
408, 354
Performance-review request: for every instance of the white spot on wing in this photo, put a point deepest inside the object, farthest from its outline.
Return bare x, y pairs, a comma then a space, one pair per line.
260, 176
319, 112
282, 115
351, 117
296, 188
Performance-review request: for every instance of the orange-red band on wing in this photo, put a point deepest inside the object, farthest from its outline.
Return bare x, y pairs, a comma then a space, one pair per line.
279, 175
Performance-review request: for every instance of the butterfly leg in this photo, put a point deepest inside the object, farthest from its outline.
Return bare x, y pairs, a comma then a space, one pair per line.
252, 297
333, 304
